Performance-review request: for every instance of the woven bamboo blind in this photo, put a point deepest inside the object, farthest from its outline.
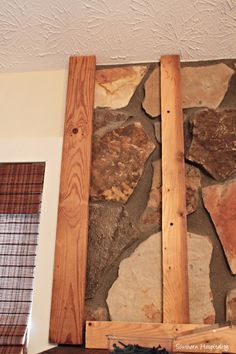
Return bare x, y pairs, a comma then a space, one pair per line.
21, 186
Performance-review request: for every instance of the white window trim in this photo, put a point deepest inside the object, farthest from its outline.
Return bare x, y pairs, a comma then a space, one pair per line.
40, 150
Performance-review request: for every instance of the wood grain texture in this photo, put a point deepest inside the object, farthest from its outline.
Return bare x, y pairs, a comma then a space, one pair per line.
96, 331
212, 341
174, 226
8, 349
67, 308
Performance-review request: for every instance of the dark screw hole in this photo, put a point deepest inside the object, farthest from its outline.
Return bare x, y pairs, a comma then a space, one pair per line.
75, 131
168, 111
171, 224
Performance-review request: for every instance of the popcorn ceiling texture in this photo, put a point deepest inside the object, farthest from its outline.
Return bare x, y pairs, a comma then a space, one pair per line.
37, 35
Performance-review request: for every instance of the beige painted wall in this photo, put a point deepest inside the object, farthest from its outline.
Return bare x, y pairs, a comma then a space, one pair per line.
32, 104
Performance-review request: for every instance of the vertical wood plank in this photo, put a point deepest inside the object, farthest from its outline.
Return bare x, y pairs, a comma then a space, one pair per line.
174, 226
67, 308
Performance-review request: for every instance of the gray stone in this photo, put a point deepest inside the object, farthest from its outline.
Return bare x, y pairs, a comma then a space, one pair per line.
136, 295
118, 162
106, 120
214, 142
110, 233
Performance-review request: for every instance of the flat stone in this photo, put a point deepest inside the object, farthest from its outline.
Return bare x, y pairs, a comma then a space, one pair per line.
193, 183
202, 86
93, 313
152, 99
136, 295
106, 120
220, 201
231, 305
152, 213
214, 142
157, 127
118, 162
110, 233
205, 86
114, 87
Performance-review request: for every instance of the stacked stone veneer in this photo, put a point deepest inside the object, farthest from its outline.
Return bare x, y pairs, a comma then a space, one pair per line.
124, 249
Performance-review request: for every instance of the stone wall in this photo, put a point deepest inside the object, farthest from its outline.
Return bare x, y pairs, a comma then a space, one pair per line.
124, 252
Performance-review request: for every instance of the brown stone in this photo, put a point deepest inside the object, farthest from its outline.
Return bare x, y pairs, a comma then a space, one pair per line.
114, 87
136, 295
205, 86
193, 183
152, 214
118, 162
220, 201
202, 86
157, 126
106, 120
231, 305
95, 313
110, 233
214, 142
152, 101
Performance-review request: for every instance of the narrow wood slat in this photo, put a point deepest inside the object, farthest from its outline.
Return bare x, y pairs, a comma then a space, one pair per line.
11, 349
174, 226
20, 228
21, 180
18, 261
19, 208
11, 340
19, 219
27, 168
67, 308
11, 320
17, 249
15, 307
16, 283
18, 295
96, 331
12, 330
17, 272
25, 199
13, 188
21, 239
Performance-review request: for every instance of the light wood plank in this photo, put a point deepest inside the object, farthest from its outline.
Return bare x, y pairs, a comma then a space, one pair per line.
212, 341
96, 331
174, 227
67, 309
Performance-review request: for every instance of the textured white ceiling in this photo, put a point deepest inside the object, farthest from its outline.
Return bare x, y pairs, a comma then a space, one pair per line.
41, 34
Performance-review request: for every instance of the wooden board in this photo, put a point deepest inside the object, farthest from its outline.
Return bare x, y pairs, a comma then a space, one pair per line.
212, 341
67, 308
96, 331
174, 228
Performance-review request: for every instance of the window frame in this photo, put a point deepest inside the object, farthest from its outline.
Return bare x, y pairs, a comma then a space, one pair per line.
46, 150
